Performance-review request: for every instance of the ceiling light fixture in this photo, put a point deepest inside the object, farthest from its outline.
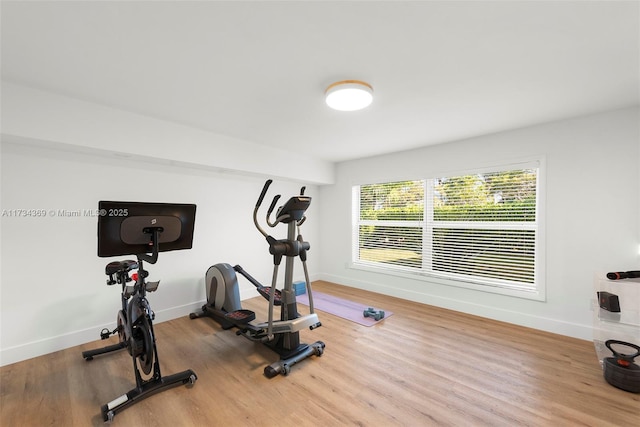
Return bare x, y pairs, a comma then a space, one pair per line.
349, 95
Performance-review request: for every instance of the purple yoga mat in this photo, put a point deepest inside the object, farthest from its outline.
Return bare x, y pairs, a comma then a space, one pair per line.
340, 307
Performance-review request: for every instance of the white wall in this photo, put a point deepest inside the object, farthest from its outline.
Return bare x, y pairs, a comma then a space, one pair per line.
53, 291
73, 124
592, 211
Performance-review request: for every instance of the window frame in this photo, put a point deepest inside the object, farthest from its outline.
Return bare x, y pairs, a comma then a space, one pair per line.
538, 292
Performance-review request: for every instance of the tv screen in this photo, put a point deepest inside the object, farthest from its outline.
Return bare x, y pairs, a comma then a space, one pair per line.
123, 227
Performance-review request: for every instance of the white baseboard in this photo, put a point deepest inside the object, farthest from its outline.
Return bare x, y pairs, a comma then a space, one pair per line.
49, 345
61, 342
584, 332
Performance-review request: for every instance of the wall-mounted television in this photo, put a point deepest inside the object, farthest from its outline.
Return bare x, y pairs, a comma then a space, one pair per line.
126, 228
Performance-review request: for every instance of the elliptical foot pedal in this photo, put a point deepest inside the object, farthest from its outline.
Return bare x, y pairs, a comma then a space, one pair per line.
277, 298
240, 316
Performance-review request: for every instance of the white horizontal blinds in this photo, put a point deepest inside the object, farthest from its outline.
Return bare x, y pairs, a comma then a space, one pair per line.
390, 224
480, 228
500, 254
484, 227
399, 246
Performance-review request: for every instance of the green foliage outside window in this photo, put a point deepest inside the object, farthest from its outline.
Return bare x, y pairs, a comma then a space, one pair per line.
496, 196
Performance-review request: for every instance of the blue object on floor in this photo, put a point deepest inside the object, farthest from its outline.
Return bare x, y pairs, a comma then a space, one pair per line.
300, 288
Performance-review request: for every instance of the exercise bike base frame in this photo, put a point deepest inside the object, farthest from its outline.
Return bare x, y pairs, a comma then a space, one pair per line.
147, 389
90, 354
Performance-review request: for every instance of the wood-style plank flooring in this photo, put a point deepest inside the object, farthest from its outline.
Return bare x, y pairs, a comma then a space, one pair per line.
422, 366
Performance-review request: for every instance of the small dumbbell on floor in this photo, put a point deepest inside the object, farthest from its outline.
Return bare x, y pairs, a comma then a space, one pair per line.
376, 314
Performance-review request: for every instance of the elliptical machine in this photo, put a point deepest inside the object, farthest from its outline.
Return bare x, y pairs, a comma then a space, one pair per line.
223, 298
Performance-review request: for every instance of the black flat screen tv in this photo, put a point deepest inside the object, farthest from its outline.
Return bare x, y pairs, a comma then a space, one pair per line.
123, 227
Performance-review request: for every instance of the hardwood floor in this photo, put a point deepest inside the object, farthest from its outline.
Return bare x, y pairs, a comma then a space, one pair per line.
421, 366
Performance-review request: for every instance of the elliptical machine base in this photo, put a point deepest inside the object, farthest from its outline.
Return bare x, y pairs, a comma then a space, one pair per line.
222, 285
283, 366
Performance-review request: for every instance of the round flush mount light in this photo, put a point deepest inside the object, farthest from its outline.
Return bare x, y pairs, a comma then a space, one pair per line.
349, 95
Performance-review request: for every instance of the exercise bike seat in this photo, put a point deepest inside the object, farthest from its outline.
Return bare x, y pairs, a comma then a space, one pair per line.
117, 266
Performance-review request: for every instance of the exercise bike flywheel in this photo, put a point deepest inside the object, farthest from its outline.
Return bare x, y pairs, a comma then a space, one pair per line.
142, 345
121, 322
620, 371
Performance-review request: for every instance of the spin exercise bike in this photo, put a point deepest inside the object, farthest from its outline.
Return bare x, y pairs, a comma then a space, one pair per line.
223, 298
129, 228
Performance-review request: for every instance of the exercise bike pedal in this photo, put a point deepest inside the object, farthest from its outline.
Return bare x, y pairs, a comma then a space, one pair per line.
240, 316
106, 333
152, 286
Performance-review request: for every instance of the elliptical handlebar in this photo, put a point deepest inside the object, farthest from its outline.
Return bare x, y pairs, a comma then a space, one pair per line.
264, 192
259, 203
292, 210
271, 207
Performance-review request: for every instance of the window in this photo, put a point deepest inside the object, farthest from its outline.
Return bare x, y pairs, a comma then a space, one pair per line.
479, 230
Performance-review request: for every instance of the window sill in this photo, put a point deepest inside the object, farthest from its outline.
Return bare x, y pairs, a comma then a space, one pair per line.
535, 295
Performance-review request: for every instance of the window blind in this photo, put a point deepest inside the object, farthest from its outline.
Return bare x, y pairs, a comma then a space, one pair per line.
391, 223
480, 228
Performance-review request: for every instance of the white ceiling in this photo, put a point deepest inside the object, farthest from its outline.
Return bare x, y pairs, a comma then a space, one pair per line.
441, 70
